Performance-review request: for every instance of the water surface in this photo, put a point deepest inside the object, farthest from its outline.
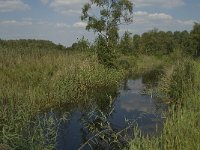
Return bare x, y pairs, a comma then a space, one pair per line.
130, 106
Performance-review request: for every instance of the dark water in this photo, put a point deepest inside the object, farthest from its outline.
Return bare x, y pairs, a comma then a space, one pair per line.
130, 107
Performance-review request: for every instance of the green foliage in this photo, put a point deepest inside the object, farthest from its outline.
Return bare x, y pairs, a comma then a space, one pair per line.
183, 80
34, 80
156, 43
105, 21
161, 43
106, 54
39, 75
195, 35
5, 147
152, 77
24, 45
125, 44
136, 44
82, 45
181, 84
104, 136
184, 42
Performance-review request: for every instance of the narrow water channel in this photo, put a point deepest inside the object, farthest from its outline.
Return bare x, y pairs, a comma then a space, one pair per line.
130, 106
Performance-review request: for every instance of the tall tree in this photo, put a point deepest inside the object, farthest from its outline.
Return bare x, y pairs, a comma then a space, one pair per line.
195, 33
136, 44
126, 43
104, 18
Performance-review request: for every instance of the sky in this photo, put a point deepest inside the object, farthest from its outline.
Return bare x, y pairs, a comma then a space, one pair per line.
59, 20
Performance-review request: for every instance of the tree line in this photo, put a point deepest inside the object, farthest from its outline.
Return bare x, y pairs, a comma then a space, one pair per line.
157, 42
104, 18
30, 44
153, 42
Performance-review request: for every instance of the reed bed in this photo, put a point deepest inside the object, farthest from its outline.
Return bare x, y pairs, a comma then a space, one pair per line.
35, 80
179, 87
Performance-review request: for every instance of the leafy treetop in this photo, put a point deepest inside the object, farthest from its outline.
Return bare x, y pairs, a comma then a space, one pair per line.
107, 16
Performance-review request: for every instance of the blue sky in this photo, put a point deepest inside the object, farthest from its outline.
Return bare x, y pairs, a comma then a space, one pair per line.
59, 20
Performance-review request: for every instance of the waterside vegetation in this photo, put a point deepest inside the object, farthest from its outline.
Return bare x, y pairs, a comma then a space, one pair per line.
38, 75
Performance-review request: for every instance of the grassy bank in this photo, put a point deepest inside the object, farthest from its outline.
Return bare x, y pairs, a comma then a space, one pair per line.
34, 79
39, 78
179, 86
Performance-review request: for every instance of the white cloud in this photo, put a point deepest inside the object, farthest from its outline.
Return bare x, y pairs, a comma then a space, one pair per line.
144, 21
13, 5
62, 25
16, 23
70, 12
160, 16
58, 3
80, 25
187, 22
140, 13
62, 32
8, 22
145, 17
58, 32
26, 22
68, 7
160, 3
45, 1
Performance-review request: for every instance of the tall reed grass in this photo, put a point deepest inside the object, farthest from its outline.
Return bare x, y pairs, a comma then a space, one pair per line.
35, 80
179, 86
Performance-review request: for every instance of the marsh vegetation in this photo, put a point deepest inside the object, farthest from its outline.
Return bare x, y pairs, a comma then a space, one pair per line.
43, 83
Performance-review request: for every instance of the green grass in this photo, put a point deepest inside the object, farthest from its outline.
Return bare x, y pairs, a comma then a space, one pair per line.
34, 80
179, 86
